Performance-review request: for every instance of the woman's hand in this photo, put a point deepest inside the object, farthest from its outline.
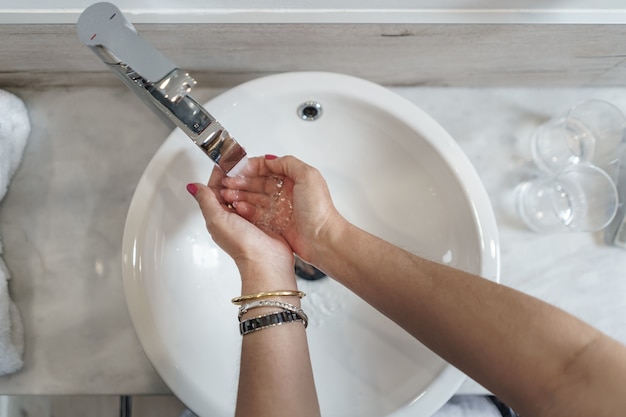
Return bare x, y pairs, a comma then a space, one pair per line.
263, 257
276, 376
288, 197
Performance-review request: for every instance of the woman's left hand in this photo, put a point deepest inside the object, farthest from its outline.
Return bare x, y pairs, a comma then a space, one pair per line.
260, 255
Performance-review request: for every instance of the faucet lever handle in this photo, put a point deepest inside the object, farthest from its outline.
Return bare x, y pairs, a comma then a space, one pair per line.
102, 25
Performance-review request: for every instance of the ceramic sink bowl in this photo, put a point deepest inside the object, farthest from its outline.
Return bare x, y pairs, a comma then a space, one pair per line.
391, 169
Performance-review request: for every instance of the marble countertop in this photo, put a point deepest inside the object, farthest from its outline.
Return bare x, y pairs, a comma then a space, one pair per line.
63, 218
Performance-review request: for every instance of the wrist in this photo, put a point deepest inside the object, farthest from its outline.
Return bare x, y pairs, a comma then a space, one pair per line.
261, 276
330, 240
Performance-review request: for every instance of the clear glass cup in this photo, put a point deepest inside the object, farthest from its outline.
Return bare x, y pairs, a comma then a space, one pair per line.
590, 132
581, 198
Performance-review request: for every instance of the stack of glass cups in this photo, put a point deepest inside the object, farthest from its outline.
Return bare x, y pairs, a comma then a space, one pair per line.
579, 154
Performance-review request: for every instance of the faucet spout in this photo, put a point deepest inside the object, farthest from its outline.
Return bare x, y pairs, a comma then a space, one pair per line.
158, 82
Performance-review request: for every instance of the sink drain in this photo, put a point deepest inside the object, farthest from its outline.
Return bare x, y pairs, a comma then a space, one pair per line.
310, 110
307, 271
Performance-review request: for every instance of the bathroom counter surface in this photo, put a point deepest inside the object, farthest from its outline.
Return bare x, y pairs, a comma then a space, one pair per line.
62, 221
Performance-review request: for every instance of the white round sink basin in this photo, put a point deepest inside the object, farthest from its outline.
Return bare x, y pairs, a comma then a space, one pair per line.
391, 170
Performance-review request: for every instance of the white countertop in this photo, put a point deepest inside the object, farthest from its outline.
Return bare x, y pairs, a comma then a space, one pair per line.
63, 218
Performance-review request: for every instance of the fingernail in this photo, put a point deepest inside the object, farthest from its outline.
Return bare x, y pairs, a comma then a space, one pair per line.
192, 188
270, 157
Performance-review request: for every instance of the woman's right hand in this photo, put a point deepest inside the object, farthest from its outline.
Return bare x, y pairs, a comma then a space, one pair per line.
303, 190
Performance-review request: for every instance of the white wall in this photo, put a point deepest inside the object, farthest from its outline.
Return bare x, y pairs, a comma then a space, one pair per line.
326, 11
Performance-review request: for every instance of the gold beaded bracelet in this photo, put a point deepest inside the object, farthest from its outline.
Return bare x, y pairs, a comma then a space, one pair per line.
266, 294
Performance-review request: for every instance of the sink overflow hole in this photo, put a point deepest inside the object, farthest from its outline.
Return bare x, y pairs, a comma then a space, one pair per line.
310, 110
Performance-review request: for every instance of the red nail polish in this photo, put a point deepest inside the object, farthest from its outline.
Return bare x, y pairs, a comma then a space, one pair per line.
270, 157
192, 188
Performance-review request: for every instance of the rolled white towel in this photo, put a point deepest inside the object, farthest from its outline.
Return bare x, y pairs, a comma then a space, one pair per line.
14, 131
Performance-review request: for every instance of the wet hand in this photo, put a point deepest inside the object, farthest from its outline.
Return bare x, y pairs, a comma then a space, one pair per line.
250, 246
284, 196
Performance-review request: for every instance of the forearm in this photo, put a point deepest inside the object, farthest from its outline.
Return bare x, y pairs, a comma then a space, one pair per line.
281, 384
276, 378
520, 348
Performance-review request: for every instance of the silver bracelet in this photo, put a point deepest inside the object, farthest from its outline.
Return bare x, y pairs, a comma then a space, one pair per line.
272, 303
268, 320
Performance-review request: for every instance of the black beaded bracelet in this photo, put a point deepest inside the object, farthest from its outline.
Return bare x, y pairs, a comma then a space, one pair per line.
268, 320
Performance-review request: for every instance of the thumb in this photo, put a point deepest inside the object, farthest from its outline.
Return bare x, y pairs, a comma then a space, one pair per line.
288, 166
207, 200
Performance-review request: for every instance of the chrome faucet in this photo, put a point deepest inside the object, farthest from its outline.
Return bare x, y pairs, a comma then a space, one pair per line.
158, 82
